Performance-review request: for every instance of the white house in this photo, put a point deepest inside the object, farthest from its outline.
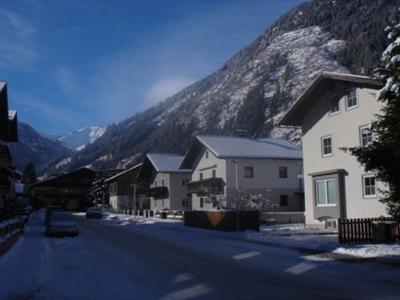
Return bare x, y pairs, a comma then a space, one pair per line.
226, 166
167, 182
334, 112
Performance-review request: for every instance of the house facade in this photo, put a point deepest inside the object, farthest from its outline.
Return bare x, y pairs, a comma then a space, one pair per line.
69, 190
8, 134
166, 182
121, 188
336, 112
225, 167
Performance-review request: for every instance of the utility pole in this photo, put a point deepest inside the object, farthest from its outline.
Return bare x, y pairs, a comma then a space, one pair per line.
236, 162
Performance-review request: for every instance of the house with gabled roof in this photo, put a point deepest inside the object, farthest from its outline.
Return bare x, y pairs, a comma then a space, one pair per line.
121, 188
226, 165
335, 112
69, 190
166, 181
8, 119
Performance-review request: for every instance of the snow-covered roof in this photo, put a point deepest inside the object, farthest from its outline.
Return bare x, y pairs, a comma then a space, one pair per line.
320, 85
167, 163
12, 114
136, 167
240, 147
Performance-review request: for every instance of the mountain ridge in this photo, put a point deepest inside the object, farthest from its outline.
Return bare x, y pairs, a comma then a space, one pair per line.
256, 85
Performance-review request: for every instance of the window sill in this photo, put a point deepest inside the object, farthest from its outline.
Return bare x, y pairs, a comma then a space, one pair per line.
352, 107
326, 205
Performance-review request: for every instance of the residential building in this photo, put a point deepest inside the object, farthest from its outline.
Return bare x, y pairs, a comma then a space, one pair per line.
69, 190
8, 133
227, 166
336, 112
8, 119
166, 182
122, 188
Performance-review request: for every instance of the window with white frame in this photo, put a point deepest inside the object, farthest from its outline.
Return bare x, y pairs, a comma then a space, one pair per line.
334, 105
369, 186
326, 145
366, 136
206, 154
351, 99
326, 192
214, 173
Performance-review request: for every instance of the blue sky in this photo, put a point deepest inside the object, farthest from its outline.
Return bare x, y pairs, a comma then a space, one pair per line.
76, 63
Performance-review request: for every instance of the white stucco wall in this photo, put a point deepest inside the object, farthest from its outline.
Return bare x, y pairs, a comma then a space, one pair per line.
177, 191
266, 179
344, 128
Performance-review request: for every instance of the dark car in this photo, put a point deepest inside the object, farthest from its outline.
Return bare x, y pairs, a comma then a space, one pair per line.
94, 212
49, 210
61, 224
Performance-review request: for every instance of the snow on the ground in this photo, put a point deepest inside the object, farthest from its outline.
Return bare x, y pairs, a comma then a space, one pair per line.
136, 220
298, 236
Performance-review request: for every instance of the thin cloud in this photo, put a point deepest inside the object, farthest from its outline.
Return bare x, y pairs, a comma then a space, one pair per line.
16, 41
165, 88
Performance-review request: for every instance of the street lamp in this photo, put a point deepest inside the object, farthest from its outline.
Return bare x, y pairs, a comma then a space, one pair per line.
236, 162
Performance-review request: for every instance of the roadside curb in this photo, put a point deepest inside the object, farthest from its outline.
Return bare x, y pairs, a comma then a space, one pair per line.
6, 245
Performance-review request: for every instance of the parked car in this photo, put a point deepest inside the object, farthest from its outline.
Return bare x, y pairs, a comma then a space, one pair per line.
61, 224
94, 212
49, 210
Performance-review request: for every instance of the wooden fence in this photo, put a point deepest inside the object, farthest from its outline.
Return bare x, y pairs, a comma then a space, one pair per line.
356, 231
10, 230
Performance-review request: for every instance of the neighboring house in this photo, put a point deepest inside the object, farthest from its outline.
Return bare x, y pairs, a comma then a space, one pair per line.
121, 189
69, 190
8, 133
8, 119
334, 112
166, 181
224, 164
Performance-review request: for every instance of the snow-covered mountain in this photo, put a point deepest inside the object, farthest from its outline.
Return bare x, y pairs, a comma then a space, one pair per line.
36, 148
257, 85
78, 139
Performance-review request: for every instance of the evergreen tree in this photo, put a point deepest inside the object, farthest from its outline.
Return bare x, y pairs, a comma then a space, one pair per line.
382, 155
29, 176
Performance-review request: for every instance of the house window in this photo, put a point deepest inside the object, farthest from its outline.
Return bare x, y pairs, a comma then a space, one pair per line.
201, 202
162, 182
325, 192
351, 99
326, 146
162, 203
155, 183
283, 201
206, 154
183, 202
248, 172
184, 182
282, 172
369, 183
365, 136
201, 176
214, 174
334, 105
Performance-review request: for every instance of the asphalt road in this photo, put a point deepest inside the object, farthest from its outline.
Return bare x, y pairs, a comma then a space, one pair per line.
169, 261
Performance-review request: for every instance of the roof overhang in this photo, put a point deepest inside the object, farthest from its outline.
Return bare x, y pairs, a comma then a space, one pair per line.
324, 82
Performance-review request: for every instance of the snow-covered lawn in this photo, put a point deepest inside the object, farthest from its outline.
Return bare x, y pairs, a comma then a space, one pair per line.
298, 236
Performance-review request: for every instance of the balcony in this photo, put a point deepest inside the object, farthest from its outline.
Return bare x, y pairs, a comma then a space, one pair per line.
160, 192
213, 186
